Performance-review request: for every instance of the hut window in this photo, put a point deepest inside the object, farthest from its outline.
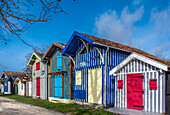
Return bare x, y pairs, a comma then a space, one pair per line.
59, 63
38, 66
153, 84
120, 84
78, 77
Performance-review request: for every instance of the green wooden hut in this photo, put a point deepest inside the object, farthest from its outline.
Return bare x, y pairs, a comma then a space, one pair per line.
60, 73
39, 75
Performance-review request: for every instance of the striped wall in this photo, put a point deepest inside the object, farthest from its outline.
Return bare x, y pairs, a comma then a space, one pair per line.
29, 89
55, 78
153, 100
93, 60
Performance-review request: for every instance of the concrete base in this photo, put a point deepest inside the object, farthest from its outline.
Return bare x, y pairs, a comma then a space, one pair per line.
37, 97
88, 105
7, 92
130, 111
57, 100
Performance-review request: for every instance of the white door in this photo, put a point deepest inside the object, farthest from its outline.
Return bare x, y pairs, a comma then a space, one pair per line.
9, 86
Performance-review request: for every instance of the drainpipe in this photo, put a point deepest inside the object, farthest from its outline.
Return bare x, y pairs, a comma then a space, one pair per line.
105, 72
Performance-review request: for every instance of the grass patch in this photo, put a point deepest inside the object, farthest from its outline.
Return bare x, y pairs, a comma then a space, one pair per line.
61, 107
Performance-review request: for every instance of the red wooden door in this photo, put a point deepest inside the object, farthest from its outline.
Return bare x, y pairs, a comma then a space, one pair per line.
38, 86
135, 91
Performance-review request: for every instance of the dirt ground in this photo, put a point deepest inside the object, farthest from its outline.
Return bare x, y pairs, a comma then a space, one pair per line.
12, 107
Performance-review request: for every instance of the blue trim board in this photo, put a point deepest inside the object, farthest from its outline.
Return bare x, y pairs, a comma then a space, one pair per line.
73, 43
17, 79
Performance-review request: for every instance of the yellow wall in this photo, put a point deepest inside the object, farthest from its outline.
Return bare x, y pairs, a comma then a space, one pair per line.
95, 86
78, 77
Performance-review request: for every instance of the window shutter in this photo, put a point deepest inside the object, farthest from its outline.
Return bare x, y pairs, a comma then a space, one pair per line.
120, 84
59, 63
38, 66
153, 84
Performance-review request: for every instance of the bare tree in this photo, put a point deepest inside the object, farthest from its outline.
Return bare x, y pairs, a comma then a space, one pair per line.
16, 16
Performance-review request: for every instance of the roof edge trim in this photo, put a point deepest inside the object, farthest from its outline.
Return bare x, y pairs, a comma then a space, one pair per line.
139, 57
32, 57
72, 37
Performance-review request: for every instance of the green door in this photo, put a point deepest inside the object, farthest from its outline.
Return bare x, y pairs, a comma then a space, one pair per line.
16, 89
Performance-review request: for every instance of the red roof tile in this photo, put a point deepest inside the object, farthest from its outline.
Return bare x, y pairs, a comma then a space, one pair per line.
125, 47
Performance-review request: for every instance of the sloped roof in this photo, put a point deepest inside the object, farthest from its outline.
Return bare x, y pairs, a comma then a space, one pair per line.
1, 81
33, 58
141, 58
28, 79
52, 49
14, 74
72, 45
125, 47
40, 54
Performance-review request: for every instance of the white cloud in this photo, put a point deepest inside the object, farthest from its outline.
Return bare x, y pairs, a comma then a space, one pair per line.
136, 2
118, 28
162, 50
161, 21
153, 37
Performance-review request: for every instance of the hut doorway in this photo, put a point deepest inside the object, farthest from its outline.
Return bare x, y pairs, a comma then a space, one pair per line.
38, 86
135, 91
12, 85
16, 89
95, 86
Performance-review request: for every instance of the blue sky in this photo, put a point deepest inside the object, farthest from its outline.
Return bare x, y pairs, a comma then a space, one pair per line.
144, 24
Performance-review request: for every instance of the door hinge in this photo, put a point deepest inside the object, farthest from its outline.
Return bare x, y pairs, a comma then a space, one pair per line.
139, 91
138, 106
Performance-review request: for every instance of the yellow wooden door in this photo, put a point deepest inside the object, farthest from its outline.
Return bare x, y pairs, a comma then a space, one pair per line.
95, 86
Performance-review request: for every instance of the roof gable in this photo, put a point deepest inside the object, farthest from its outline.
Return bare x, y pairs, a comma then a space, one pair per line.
35, 55
17, 79
52, 49
2, 75
72, 45
141, 58
13, 74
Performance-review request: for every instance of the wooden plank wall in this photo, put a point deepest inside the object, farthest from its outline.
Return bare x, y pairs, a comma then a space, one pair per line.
153, 100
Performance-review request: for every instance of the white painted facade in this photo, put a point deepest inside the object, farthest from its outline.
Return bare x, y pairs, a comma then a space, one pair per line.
29, 89
21, 88
153, 100
2, 88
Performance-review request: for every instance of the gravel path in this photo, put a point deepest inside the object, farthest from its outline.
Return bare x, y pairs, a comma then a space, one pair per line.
12, 107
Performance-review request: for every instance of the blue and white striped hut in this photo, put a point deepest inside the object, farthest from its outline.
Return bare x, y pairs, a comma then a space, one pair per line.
143, 83
94, 58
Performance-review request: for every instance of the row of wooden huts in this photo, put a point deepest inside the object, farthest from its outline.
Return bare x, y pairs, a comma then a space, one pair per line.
18, 83
93, 70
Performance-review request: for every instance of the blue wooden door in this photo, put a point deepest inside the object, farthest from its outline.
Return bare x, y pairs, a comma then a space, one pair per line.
6, 85
52, 86
58, 86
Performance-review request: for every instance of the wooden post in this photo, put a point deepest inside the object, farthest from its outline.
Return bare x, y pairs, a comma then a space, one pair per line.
49, 78
71, 79
63, 85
